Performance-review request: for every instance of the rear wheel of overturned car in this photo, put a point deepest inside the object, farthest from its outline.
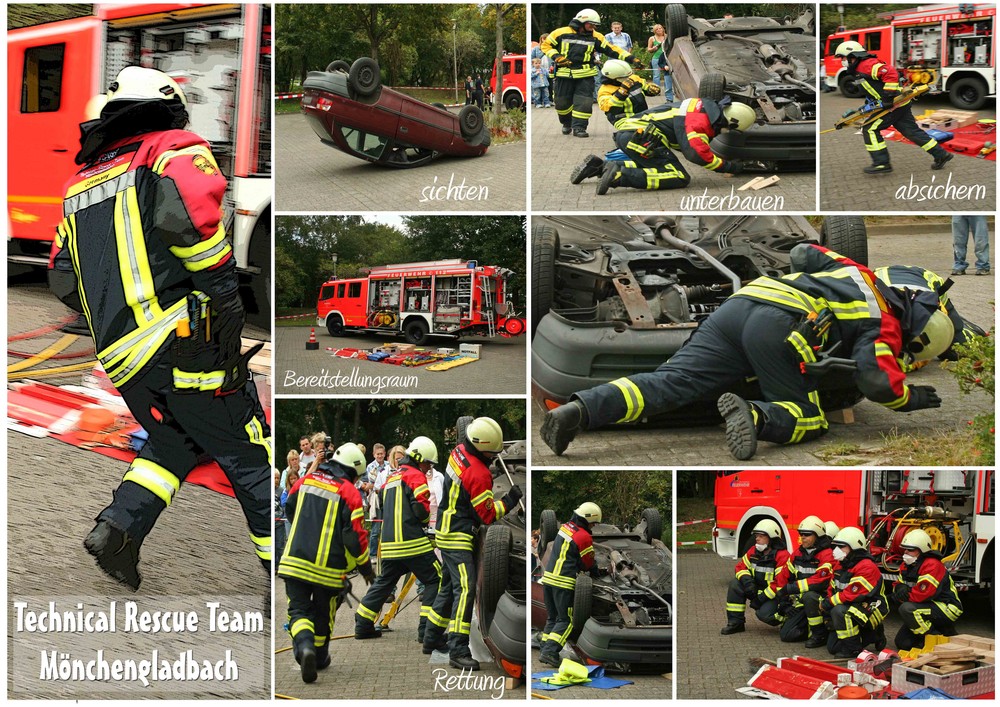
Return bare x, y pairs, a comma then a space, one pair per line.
583, 604
338, 65
846, 235
461, 425
676, 20
364, 76
544, 247
654, 525
335, 325
415, 331
497, 549
470, 121
548, 528
712, 87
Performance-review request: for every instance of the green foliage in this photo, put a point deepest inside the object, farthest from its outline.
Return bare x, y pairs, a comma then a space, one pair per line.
507, 126
975, 369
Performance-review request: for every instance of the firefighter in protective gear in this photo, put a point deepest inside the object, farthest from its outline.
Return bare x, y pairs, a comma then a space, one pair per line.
141, 251
466, 504
648, 140
326, 541
573, 49
802, 582
857, 604
772, 328
754, 573
881, 82
404, 547
831, 529
927, 596
570, 553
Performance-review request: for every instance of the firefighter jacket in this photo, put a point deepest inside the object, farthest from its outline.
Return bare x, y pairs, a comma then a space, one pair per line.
572, 552
805, 571
581, 49
142, 228
406, 505
762, 566
858, 581
688, 127
327, 537
467, 500
618, 107
880, 80
908, 277
928, 581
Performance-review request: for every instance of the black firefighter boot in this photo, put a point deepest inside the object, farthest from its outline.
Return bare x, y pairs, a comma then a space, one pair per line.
464, 662
549, 654
562, 424
364, 629
323, 657
733, 627
305, 653
942, 158
434, 639
610, 178
592, 166
878, 168
742, 425
818, 636
848, 648
116, 553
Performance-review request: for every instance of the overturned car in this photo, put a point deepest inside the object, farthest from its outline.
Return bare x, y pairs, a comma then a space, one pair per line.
622, 612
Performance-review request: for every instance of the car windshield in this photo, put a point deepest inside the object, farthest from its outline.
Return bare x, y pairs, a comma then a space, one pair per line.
365, 143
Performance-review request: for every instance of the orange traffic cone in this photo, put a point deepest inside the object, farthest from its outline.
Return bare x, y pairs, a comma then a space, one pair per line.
312, 344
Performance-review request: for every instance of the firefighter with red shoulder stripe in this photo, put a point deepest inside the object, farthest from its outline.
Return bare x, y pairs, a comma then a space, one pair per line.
856, 604
467, 503
927, 596
571, 552
142, 252
755, 571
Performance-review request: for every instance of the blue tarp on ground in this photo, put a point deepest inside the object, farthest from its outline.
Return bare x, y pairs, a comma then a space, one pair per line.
597, 680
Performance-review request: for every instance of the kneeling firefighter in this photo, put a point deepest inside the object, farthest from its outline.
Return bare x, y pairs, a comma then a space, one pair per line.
754, 573
928, 599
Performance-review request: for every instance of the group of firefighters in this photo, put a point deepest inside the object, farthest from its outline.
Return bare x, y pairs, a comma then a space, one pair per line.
829, 591
328, 541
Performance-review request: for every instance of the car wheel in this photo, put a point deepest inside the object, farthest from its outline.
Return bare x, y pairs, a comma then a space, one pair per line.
415, 331
364, 77
544, 247
712, 87
654, 524
460, 426
583, 604
335, 325
849, 87
470, 121
338, 65
676, 21
968, 93
513, 101
548, 528
846, 235
442, 106
497, 549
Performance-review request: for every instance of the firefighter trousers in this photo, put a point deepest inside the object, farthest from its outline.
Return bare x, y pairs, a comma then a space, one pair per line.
902, 119
661, 171
856, 625
736, 601
311, 612
452, 609
794, 622
425, 567
181, 426
922, 618
559, 624
574, 101
814, 617
743, 338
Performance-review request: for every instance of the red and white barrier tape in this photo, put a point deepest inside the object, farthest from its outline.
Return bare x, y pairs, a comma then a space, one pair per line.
695, 522
283, 96
696, 542
297, 316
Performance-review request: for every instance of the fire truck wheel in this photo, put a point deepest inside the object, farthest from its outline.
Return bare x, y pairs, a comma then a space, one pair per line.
849, 87
338, 65
513, 100
364, 76
968, 93
260, 284
335, 325
415, 331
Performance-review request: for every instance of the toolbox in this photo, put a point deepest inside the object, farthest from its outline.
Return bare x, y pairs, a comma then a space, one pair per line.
967, 683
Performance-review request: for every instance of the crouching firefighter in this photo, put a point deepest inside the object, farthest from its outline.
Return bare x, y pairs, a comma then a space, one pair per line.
857, 604
571, 552
927, 596
802, 582
466, 503
326, 541
404, 547
754, 573
142, 252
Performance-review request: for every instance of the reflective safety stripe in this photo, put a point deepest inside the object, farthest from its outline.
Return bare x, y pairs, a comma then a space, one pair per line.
949, 610
775, 291
453, 541
262, 546
298, 568
204, 254
654, 176
301, 625
408, 548
564, 111
255, 431
558, 580
569, 73
929, 578
459, 626
436, 619
564, 636
156, 479
366, 613
129, 354
581, 115
133, 260
193, 151
192, 380
928, 146
737, 608
634, 402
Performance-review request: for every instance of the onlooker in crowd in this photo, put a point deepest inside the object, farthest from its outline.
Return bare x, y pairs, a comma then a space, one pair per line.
961, 226
539, 85
548, 68
319, 448
658, 60
488, 95
294, 462
619, 38
370, 489
477, 93
306, 452
279, 534
469, 88
290, 480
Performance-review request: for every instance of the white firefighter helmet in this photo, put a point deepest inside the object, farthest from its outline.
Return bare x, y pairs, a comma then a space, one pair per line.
590, 512
588, 15
485, 434
349, 455
616, 69
934, 340
740, 116
811, 524
831, 529
136, 83
917, 539
853, 538
422, 449
768, 527
847, 48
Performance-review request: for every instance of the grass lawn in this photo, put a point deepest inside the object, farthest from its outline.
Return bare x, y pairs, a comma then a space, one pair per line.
307, 318
695, 509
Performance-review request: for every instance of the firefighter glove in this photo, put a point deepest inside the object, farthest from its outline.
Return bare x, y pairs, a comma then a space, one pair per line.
825, 605
749, 588
757, 601
634, 61
515, 494
652, 89
732, 166
901, 593
562, 60
621, 93
367, 573
782, 592
922, 397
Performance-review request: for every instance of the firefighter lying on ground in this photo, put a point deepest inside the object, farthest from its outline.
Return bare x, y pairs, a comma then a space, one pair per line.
403, 546
141, 251
754, 573
466, 503
881, 82
808, 571
856, 605
327, 540
571, 552
773, 328
928, 599
573, 50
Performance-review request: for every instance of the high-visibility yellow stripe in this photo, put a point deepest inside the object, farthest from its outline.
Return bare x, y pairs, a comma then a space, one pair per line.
156, 479
255, 431
262, 546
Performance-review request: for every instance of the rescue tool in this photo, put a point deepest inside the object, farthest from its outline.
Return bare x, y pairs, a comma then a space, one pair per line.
867, 114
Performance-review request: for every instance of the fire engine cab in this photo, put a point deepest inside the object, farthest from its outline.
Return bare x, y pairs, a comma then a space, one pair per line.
447, 298
951, 48
956, 508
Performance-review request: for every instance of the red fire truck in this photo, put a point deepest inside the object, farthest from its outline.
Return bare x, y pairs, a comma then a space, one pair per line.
956, 508
514, 91
447, 298
951, 48
221, 56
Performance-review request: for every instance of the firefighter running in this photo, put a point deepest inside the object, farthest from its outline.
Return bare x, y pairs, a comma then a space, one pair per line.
404, 547
466, 504
755, 572
326, 541
142, 253
571, 552
881, 82
928, 599
573, 49
773, 329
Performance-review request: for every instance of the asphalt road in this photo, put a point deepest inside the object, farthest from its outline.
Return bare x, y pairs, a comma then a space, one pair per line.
844, 187
310, 176
705, 446
553, 156
712, 666
501, 369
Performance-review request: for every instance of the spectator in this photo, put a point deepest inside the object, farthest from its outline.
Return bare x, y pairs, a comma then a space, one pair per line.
961, 227
290, 480
619, 38
659, 63
370, 492
279, 516
488, 95
306, 452
539, 85
469, 88
548, 68
294, 461
319, 448
477, 93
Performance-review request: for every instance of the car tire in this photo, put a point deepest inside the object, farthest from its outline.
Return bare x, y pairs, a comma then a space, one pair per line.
442, 106
497, 548
338, 65
460, 426
846, 235
363, 77
654, 525
513, 101
849, 86
544, 248
583, 604
712, 87
470, 122
968, 93
334, 325
548, 528
415, 331
676, 20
